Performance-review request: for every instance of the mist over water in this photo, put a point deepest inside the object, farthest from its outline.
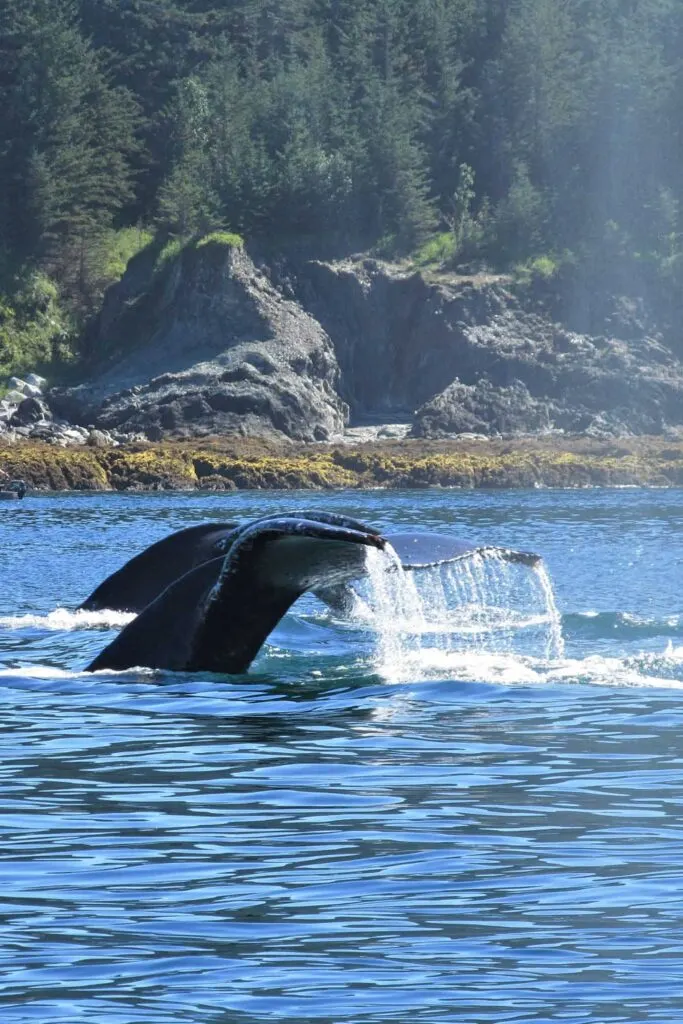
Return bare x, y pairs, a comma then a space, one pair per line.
463, 805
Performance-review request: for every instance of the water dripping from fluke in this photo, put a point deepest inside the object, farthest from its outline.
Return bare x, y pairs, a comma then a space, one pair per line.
555, 646
483, 604
397, 613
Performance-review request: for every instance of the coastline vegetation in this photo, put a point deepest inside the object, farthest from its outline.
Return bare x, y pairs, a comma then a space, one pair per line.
236, 464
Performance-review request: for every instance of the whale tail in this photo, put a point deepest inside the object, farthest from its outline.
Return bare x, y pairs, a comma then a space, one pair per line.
217, 616
145, 576
142, 579
209, 595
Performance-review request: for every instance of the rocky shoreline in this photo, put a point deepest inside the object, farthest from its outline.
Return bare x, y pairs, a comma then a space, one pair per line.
212, 343
223, 464
211, 371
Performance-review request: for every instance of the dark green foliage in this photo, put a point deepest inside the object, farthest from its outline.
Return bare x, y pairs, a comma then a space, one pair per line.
501, 130
66, 137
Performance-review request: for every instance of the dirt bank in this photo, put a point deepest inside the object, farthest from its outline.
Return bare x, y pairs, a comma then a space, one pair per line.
229, 464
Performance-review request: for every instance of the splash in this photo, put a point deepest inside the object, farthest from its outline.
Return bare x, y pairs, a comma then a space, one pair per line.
479, 605
663, 671
64, 620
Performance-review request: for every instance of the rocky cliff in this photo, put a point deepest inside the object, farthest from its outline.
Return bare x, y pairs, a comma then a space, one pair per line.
204, 346
462, 354
213, 345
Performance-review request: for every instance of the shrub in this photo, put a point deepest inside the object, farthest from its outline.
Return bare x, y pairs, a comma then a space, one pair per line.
436, 250
35, 331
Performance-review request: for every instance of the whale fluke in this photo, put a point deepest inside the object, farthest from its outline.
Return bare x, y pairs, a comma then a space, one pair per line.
142, 579
421, 550
217, 616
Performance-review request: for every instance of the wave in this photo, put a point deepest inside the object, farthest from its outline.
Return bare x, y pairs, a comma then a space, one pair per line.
64, 620
463, 647
663, 670
621, 625
465, 619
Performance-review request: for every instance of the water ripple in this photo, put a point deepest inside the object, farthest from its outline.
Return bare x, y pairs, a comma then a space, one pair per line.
494, 838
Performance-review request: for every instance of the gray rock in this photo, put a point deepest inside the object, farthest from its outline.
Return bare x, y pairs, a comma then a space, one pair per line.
43, 432
215, 349
30, 410
470, 358
100, 439
475, 409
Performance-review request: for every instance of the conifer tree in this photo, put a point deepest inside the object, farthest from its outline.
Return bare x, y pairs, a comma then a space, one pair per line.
66, 138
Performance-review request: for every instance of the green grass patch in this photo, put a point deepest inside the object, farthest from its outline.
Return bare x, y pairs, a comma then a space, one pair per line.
436, 250
172, 249
228, 238
169, 252
540, 268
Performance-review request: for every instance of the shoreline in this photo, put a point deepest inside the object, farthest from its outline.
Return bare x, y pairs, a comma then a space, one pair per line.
233, 463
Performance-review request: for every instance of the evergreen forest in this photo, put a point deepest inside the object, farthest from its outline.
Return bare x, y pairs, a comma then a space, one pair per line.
542, 137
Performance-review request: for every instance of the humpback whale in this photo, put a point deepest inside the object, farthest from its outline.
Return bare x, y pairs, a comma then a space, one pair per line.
207, 596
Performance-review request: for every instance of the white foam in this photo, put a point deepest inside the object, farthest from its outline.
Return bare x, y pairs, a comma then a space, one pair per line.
511, 670
50, 673
64, 619
37, 672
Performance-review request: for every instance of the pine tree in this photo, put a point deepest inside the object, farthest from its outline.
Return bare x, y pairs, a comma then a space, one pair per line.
67, 136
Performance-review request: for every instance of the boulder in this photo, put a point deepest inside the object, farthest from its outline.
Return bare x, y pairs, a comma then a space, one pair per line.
14, 397
482, 408
30, 410
99, 439
210, 346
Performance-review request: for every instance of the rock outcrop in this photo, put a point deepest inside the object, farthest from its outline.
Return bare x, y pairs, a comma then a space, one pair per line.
533, 376
209, 346
26, 415
467, 356
212, 345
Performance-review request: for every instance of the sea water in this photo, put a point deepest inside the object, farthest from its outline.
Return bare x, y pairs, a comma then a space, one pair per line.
464, 805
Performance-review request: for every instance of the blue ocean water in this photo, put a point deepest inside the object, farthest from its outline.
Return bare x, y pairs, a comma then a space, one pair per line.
461, 822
